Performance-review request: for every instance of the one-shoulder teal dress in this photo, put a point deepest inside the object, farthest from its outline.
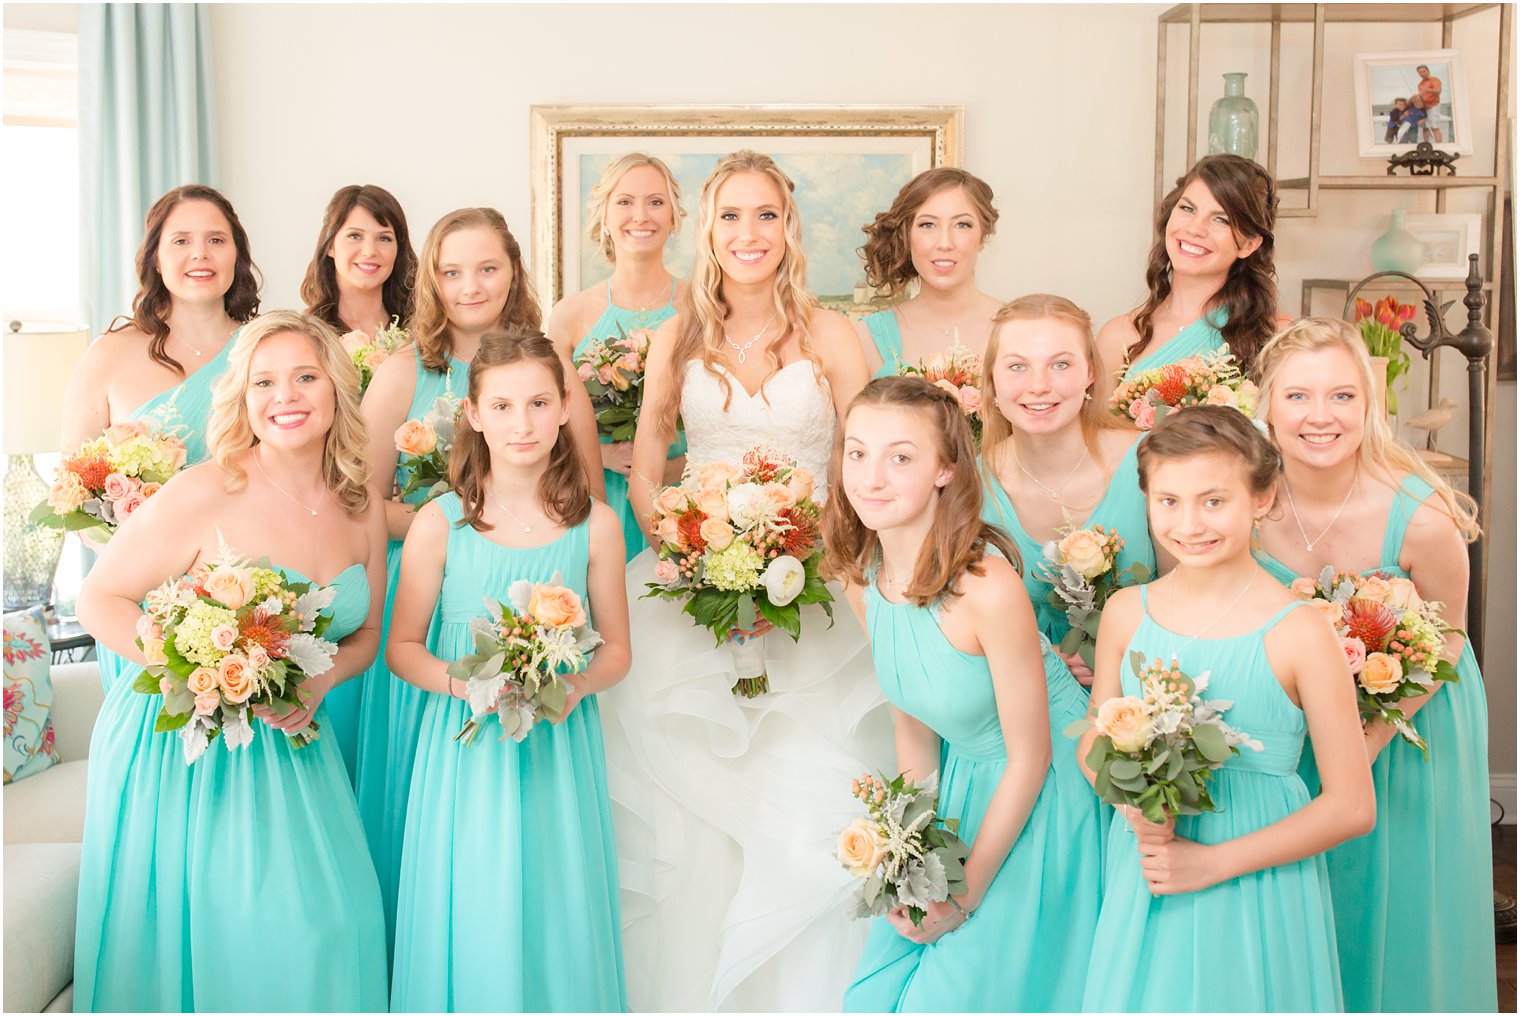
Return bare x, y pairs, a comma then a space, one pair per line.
888, 339
1425, 873
1202, 336
184, 410
389, 709
240, 883
509, 877
1026, 947
1264, 941
616, 321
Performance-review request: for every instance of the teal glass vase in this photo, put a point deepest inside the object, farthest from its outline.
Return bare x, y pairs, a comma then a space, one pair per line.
1397, 250
1233, 121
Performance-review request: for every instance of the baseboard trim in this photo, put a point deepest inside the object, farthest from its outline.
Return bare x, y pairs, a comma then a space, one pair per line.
1501, 787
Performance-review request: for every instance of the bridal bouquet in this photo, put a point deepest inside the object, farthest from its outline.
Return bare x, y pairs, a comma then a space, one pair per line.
522, 648
1212, 379
424, 446
1083, 571
369, 353
905, 853
613, 372
228, 636
1159, 751
958, 371
741, 542
1393, 640
107, 479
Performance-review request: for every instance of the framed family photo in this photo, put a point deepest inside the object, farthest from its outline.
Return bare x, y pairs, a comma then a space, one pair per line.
1405, 98
848, 163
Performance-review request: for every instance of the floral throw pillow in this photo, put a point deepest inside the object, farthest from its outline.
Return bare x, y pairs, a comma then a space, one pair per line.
28, 697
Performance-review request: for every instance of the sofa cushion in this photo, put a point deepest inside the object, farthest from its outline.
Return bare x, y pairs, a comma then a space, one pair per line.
41, 895
49, 807
29, 745
77, 698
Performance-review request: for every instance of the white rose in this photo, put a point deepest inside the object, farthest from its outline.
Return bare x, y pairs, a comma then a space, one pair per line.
784, 578
745, 504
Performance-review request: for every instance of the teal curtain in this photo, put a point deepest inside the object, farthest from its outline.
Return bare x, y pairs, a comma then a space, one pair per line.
146, 125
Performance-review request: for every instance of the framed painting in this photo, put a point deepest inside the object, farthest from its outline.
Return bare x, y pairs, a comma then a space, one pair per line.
848, 163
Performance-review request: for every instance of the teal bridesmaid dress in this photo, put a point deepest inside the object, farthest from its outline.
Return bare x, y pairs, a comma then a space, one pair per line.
1262, 942
1425, 872
240, 883
1202, 336
509, 878
1026, 947
888, 339
184, 410
389, 710
613, 320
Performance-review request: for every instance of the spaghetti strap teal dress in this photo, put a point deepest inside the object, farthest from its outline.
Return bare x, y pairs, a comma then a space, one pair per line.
615, 322
183, 410
1425, 872
390, 710
888, 339
1026, 947
1263, 942
509, 876
1202, 336
240, 883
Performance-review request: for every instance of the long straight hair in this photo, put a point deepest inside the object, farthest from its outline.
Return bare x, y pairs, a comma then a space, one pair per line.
319, 290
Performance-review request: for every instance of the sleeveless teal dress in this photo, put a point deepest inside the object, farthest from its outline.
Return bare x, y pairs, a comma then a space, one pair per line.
888, 339
1261, 942
509, 877
1202, 336
185, 410
390, 710
607, 326
1425, 872
239, 883
1026, 947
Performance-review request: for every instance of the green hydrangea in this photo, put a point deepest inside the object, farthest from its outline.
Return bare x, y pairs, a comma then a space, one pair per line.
193, 636
735, 568
141, 456
1422, 631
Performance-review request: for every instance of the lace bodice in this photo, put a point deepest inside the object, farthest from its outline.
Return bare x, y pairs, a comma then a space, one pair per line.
794, 413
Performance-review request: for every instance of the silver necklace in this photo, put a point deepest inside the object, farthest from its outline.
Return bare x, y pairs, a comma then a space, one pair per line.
1055, 494
644, 306
1171, 608
1308, 543
287, 493
953, 332
745, 348
526, 528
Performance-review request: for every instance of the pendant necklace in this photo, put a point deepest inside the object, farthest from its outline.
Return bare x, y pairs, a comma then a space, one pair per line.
1067, 511
513, 515
282, 490
744, 349
1171, 605
1308, 543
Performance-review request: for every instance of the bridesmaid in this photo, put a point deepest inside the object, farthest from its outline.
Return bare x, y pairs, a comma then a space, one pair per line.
510, 863
364, 268
635, 209
240, 882
1210, 276
1360, 501
937, 225
1241, 890
196, 284
959, 657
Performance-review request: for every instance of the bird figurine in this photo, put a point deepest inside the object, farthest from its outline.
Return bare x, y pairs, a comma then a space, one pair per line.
1432, 420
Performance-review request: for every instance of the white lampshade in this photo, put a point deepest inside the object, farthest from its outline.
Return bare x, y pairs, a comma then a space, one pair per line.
37, 368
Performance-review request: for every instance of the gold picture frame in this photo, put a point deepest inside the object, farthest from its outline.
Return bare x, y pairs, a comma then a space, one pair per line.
880, 147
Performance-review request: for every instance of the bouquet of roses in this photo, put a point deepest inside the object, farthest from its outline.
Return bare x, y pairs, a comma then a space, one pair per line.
369, 353
228, 636
906, 854
613, 372
522, 649
424, 446
1213, 379
1159, 751
741, 541
107, 479
1379, 324
1083, 571
959, 372
1393, 641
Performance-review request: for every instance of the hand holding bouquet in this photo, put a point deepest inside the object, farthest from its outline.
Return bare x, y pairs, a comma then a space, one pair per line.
424, 446
1082, 569
1158, 752
1212, 379
227, 637
1393, 640
959, 372
107, 479
613, 372
369, 353
906, 855
522, 648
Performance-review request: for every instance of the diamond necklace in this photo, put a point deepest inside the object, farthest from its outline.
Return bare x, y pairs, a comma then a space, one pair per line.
287, 493
745, 348
1308, 543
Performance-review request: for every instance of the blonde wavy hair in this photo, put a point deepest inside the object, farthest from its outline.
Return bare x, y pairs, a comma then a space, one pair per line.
229, 431
1381, 454
702, 309
596, 208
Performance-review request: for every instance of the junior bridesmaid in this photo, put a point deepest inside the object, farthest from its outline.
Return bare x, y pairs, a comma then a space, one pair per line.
509, 881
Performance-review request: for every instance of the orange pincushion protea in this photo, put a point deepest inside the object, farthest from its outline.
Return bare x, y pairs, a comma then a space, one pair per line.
802, 538
1370, 623
689, 530
92, 470
1173, 384
765, 463
270, 631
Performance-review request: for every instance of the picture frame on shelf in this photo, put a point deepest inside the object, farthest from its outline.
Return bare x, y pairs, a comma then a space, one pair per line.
1407, 97
1448, 239
848, 163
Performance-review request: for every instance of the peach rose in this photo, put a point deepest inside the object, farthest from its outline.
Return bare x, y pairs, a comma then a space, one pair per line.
231, 587
120, 433
258, 659
206, 703
354, 341
717, 533
1356, 654
1085, 550
666, 573
800, 482
665, 528
67, 494
416, 437
147, 628
715, 476
1219, 395
1402, 595
776, 498
555, 605
235, 677
1381, 674
128, 505
860, 847
149, 489
153, 652
1374, 588
971, 399
1330, 611
224, 637
1305, 587
713, 501
1124, 721
202, 680
584, 370
1145, 415
604, 374
119, 486
670, 501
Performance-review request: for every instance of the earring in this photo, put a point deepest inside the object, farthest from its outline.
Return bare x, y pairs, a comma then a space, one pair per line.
995, 403
1087, 396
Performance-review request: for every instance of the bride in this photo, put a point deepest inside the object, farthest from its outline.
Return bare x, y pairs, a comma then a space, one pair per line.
727, 808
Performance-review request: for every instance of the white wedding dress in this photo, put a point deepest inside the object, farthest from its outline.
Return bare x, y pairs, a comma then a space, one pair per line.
727, 809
